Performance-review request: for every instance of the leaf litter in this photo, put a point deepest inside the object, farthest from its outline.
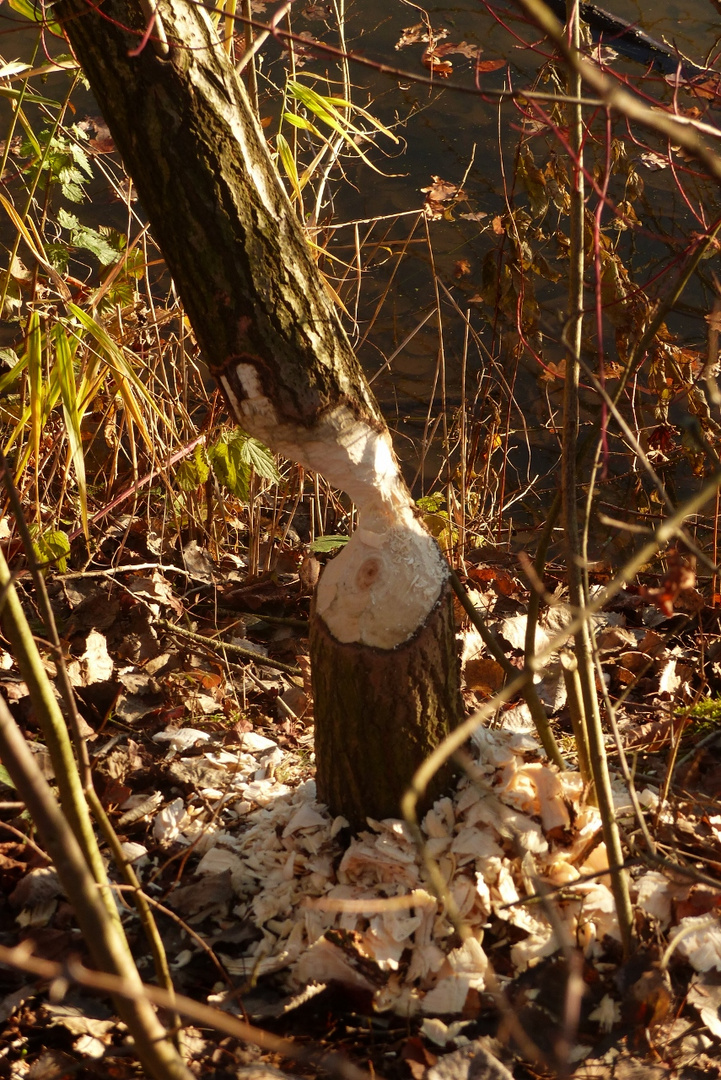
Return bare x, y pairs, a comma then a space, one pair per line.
216, 806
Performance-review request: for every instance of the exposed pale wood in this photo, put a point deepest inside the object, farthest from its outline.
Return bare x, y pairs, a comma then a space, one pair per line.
273, 339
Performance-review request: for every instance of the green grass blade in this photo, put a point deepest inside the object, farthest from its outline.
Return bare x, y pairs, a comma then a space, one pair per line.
33, 242
69, 394
286, 159
325, 111
17, 95
34, 354
130, 387
303, 123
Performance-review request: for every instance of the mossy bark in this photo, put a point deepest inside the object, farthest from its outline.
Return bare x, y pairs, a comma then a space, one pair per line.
384, 711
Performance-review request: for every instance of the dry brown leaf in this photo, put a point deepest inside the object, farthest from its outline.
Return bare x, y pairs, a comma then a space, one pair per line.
484, 674
437, 66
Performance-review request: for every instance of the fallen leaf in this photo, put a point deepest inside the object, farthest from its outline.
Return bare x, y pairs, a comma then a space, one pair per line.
484, 674
484, 66
412, 35
437, 66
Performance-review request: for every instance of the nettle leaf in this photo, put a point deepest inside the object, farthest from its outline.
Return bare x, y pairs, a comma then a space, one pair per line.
221, 464
96, 244
134, 265
65, 162
255, 453
241, 487
234, 456
193, 472
230, 471
186, 476
120, 292
67, 221
53, 547
81, 236
58, 256
431, 504
322, 544
72, 191
78, 154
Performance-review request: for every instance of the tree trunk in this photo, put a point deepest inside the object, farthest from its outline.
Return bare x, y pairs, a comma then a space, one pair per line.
363, 751
274, 341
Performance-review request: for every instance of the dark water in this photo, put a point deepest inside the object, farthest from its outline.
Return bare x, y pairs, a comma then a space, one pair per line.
447, 133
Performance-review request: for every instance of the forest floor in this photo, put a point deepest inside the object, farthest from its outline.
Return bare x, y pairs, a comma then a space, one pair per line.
202, 754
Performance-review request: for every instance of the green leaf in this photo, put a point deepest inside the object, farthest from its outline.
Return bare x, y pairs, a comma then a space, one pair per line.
326, 109
193, 472
431, 504
134, 265
129, 385
82, 236
5, 777
62, 159
78, 154
255, 453
67, 221
328, 543
53, 547
35, 99
221, 464
287, 161
96, 244
186, 476
301, 122
58, 256
37, 13
201, 464
231, 472
71, 181
233, 457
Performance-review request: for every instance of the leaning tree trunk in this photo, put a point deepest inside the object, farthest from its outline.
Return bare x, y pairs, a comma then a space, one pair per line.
385, 670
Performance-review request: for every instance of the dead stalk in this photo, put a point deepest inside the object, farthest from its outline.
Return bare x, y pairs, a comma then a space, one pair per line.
455, 740
81, 750
596, 750
101, 930
130, 991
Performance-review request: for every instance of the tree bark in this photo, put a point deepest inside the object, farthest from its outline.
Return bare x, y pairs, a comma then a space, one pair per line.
272, 338
366, 755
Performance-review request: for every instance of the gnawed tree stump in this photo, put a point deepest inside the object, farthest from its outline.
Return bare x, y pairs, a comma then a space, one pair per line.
384, 711
386, 670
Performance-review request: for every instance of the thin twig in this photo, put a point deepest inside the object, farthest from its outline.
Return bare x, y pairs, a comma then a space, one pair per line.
223, 646
530, 694
102, 933
73, 971
578, 595
67, 695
